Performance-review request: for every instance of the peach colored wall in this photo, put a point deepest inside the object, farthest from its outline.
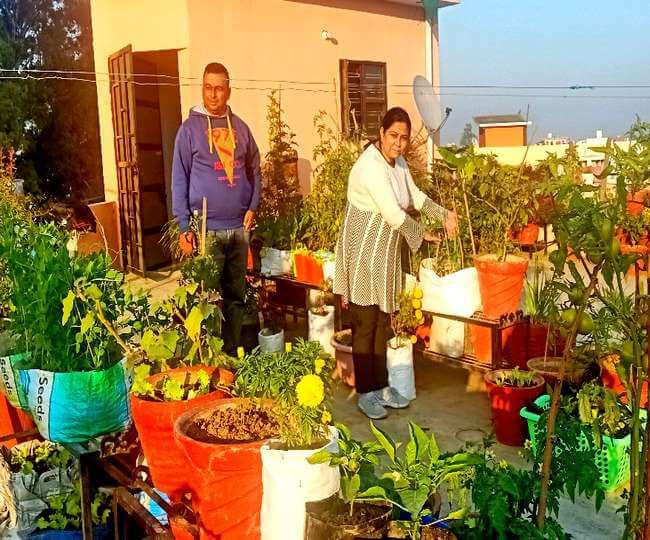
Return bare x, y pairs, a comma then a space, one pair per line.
281, 40
266, 40
502, 136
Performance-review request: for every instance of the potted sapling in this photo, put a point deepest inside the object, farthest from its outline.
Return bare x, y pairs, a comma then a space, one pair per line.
399, 352
358, 509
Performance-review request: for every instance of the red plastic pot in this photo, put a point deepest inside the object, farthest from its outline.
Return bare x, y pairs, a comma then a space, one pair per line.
225, 479
308, 269
506, 402
154, 421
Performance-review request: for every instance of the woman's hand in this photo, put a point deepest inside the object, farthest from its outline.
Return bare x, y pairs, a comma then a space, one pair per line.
430, 237
451, 224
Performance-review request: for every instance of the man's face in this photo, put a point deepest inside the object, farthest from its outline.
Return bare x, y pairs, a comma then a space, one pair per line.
216, 92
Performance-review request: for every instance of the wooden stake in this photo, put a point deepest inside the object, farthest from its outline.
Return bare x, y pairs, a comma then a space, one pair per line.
204, 225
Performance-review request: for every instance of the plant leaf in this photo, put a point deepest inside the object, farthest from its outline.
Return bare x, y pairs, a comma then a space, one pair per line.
386, 442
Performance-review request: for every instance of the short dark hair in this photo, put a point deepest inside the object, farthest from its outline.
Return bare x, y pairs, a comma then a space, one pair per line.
396, 114
216, 68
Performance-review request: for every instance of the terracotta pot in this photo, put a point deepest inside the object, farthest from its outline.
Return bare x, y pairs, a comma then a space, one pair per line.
318, 528
506, 402
154, 421
500, 283
225, 479
308, 269
549, 368
344, 359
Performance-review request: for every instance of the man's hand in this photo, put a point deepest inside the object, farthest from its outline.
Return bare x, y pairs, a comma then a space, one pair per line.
187, 243
249, 220
451, 224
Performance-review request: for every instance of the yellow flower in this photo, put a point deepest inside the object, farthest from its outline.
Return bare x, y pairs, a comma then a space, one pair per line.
326, 418
414, 339
310, 391
503, 464
417, 293
417, 304
287, 346
240, 352
419, 315
319, 364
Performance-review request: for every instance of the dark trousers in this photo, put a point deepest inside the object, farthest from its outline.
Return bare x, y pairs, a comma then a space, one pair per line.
370, 334
230, 251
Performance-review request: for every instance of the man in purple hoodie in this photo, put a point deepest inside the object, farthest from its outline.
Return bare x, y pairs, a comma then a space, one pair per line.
216, 157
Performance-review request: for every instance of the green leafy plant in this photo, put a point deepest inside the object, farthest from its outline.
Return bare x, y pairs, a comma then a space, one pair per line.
420, 473
324, 208
169, 388
602, 409
37, 457
540, 295
516, 378
299, 383
64, 512
356, 462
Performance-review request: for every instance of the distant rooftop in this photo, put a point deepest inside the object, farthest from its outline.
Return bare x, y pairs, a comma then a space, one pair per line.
500, 119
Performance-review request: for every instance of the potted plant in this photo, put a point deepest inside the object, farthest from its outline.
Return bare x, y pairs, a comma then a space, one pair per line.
540, 299
399, 352
179, 365
298, 382
509, 391
356, 510
342, 344
221, 442
320, 319
42, 265
62, 518
414, 479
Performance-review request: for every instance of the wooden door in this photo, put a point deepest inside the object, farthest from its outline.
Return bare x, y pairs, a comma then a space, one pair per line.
120, 68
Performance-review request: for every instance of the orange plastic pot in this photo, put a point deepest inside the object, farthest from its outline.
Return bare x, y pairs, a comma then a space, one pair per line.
527, 235
506, 402
308, 269
13, 421
500, 283
225, 479
636, 202
155, 420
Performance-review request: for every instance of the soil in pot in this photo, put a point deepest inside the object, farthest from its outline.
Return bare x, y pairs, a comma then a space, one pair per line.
330, 519
245, 423
428, 532
549, 368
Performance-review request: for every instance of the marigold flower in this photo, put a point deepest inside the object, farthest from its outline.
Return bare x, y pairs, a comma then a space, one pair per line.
319, 364
310, 391
326, 418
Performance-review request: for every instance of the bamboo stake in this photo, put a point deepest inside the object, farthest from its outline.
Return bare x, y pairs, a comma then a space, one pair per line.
469, 220
204, 225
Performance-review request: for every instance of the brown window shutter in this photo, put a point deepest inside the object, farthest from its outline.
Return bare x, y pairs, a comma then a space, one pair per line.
363, 95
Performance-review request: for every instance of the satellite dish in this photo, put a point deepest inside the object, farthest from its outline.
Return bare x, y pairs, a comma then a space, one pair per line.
428, 103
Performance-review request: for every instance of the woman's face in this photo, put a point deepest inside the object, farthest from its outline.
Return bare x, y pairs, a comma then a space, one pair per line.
394, 140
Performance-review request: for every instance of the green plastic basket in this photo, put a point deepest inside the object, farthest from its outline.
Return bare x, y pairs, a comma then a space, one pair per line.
612, 458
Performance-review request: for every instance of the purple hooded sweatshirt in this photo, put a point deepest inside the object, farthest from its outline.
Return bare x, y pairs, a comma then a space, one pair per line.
198, 171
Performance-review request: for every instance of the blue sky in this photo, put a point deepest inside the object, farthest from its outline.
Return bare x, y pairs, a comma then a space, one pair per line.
547, 42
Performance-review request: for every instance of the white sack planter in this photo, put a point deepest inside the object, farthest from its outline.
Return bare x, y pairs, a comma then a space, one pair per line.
399, 362
321, 329
288, 482
275, 262
456, 294
270, 343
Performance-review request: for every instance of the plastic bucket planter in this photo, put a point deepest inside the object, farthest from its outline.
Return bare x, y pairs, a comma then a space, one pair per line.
308, 268
225, 479
506, 402
154, 421
318, 528
612, 458
500, 284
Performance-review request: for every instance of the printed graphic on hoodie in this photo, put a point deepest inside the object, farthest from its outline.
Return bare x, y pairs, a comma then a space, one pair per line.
223, 139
